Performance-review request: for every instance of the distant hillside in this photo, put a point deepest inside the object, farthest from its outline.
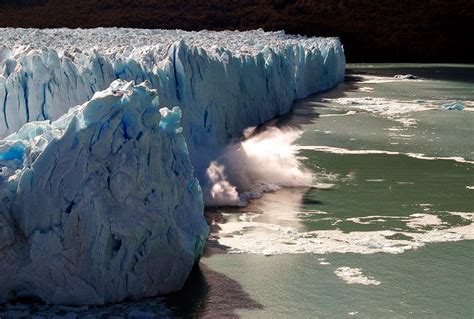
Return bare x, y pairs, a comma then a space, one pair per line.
372, 31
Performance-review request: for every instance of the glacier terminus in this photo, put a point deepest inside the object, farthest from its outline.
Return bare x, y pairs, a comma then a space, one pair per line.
106, 137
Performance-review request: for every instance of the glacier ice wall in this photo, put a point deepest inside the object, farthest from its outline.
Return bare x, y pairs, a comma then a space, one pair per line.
98, 201
223, 81
101, 204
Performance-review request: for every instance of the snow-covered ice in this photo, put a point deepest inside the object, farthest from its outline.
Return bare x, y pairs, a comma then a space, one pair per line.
101, 204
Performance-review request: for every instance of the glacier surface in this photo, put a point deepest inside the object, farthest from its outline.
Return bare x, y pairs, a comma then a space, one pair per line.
100, 205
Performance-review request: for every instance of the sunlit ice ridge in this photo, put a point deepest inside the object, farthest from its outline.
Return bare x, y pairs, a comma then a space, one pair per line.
87, 138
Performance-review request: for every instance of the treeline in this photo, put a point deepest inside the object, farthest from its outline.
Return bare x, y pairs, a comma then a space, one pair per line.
383, 30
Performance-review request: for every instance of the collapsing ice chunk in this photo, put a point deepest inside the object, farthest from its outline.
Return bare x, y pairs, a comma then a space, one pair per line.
100, 205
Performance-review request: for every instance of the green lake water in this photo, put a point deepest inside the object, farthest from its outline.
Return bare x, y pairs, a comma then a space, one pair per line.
408, 168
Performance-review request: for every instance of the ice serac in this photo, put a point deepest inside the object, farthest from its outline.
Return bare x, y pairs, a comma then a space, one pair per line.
224, 82
100, 205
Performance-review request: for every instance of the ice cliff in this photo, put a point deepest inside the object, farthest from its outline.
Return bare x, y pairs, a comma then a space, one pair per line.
223, 81
101, 204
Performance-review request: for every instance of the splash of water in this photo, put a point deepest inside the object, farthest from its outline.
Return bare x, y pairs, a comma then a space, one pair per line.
262, 162
221, 193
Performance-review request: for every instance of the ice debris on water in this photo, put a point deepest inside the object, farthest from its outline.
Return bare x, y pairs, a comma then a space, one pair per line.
452, 106
405, 77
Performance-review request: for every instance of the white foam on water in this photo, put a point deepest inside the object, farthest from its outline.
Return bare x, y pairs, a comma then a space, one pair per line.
355, 276
373, 79
384, 106
396, 129
266, 238
337, 115
421, 220
323, 262
470, 187
311, 213
339, 150
407, 122
371, 219
405, 136
323, 185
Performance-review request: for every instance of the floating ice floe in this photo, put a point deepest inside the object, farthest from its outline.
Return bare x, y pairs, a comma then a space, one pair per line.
405, 77
355, 276
453, 106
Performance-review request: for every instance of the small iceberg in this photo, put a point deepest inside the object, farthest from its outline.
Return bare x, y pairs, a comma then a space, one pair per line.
452, 106
405, 77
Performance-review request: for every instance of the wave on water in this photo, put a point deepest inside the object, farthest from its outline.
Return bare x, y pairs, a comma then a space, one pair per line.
263, 162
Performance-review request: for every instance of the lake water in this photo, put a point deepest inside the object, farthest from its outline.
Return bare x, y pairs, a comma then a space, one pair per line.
384, 231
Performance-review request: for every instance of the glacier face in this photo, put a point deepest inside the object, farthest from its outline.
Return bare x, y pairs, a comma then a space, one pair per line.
101, 204
223, 81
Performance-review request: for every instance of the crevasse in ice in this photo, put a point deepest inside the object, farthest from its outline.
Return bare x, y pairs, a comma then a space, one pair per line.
101, 204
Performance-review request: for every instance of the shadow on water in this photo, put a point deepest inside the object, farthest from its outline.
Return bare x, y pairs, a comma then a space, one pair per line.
209, 294
206, 294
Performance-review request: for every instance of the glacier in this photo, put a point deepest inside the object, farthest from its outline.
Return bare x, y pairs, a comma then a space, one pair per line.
100, 188
100, 205
223, 81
